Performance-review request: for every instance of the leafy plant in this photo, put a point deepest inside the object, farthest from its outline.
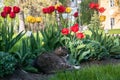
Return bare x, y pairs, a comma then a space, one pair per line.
7, 64
23, 55
36, 43
29, 49
8, 38
51, 37
109, 42
85, 11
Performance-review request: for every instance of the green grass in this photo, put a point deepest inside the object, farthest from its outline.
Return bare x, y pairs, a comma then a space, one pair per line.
108, 72
114, 31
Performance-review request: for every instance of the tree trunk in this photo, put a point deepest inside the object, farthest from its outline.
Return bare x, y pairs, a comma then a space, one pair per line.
21, 21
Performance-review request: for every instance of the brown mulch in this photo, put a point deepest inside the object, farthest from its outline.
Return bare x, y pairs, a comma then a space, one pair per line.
23, 75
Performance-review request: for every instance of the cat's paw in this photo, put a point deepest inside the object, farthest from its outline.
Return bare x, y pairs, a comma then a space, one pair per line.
77, 67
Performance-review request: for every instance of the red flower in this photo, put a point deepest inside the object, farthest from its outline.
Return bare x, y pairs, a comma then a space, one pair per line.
7, 9
75, 28
61, 9
16, 9
4, 14
96, 6
80, 35
45, 10
101, 10
51, 9
93, 5
75, 14
65, 31
12, 15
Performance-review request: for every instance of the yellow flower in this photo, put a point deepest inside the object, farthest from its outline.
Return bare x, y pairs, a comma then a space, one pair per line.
102, 18
29, 18
38, 19
33, 20
68, 10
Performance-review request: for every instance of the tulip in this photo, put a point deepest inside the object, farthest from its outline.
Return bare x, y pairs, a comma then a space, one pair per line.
65, 31
16, 9
4, 14
12, 15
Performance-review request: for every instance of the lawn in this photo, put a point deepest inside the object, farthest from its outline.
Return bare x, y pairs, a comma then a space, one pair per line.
114, 31
108, 72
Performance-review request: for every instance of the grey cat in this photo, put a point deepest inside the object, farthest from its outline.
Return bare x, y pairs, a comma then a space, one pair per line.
52, 62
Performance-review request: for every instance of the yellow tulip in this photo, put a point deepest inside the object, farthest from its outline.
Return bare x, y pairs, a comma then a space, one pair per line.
29, 18
68, 10
33, 20
38, 19
102, 18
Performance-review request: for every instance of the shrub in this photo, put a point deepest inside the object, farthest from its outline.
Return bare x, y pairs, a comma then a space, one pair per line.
7, 64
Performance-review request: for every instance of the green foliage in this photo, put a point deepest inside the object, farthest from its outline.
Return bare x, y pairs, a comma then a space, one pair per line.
23, 55
94, 22
51, 37
84, 49
96, 46
7, 64
29, 49
108, 72
85, 11
36, 44
105, 40
95, 50
103, 44
8, 38
115, 47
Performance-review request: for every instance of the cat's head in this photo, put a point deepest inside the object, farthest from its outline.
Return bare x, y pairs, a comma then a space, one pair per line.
61, 51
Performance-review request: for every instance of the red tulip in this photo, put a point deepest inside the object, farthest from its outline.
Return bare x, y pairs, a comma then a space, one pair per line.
12, 15
75, 14
51, 9
101, 10
96, 6
7, 9
16, 9
80, 35
44, 10
61, 9
4, 14
65, 31
93, 5
75, 28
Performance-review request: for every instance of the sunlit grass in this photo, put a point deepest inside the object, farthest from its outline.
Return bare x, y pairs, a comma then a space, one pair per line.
114, 31
108, 72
